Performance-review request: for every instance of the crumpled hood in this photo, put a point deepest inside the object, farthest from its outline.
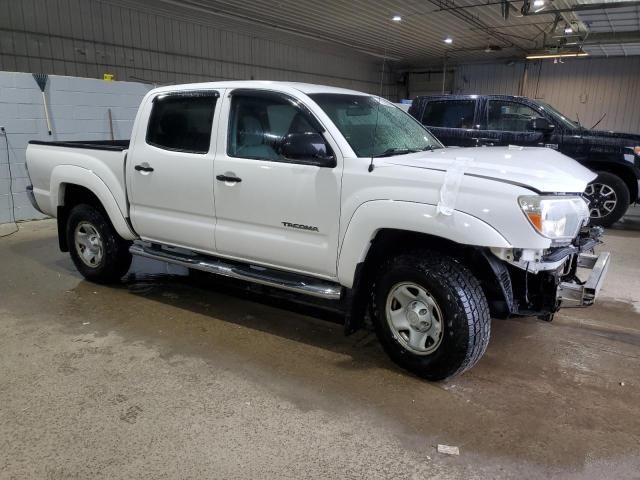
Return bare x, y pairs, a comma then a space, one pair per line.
542, 169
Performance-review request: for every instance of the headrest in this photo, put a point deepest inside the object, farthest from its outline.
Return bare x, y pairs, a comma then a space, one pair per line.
250, 132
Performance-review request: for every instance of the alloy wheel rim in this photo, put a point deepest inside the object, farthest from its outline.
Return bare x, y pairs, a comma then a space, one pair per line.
415, 318
88, 244
602, 199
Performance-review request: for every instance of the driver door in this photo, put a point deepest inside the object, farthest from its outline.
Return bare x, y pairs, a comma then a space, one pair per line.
271, 209
509, 123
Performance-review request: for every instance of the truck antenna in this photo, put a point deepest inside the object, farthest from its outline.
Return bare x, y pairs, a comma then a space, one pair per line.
598, 122
375, 129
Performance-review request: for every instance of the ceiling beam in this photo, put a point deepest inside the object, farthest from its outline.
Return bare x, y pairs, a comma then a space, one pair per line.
601, 38
586, 7
474, 21
611, 37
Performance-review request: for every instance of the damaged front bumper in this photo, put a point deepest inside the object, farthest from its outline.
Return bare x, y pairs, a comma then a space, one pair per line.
539, 283
582, 294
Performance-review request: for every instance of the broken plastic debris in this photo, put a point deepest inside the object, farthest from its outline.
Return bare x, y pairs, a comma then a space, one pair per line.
86, 323
448, 450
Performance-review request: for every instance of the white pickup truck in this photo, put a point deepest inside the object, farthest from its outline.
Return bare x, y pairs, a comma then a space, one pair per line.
335, 194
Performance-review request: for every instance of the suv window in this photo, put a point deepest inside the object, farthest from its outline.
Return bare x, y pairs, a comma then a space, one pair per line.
182, 121
509, 116
449, 113
259, 122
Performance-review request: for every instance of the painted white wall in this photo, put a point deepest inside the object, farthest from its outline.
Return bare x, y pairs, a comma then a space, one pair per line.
78, 109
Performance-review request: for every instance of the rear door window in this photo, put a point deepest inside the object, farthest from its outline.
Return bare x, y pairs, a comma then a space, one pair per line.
182, 121
449, 113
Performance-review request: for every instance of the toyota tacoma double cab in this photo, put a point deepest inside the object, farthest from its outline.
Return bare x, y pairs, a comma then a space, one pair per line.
492, 120
333, 194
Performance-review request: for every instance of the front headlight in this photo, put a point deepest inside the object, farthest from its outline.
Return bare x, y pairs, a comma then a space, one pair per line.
556, 217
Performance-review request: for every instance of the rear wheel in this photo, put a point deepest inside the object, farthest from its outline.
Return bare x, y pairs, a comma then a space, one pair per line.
96, 249
608, 198
430, 314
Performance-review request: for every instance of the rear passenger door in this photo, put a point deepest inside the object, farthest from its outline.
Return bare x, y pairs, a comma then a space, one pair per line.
170, 169
452, 121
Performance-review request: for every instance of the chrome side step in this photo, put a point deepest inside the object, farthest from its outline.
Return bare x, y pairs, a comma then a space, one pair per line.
250, 273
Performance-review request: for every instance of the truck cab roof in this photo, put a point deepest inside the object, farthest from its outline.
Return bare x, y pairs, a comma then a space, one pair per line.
306, 88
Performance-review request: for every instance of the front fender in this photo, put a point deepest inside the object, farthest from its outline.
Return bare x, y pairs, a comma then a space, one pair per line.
376, 215
71, 174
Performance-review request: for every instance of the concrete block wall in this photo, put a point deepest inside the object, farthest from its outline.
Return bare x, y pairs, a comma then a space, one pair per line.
78, 109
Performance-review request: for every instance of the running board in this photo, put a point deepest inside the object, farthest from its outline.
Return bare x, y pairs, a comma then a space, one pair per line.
250, 273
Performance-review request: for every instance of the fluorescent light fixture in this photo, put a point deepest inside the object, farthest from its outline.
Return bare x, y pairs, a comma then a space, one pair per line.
568, 29
538, 3
448, 40
541, 56
397, 18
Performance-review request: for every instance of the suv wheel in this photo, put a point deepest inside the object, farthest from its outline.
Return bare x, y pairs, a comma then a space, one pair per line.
96, 249
430, 314
609, 199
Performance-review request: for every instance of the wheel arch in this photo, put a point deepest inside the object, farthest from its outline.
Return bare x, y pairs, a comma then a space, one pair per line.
417, 220
74, 185
492, 274
625, 173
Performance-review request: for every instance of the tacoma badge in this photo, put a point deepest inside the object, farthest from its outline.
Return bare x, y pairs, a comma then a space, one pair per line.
300, 226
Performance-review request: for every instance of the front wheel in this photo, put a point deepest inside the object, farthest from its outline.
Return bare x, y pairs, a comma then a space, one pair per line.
97, 251
430, 314
608, 198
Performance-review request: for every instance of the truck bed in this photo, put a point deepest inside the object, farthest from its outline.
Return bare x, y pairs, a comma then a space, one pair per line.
112, 145
97, 163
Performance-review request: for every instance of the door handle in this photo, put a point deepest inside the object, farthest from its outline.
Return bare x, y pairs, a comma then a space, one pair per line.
142, 168
228, 178
485, 140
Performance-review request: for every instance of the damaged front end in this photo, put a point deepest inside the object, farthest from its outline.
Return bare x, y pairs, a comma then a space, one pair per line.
539, 283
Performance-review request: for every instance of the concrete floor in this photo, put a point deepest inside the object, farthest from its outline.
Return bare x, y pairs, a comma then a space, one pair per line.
163, 377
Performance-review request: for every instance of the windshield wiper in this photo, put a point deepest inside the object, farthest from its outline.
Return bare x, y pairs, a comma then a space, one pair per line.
389, 152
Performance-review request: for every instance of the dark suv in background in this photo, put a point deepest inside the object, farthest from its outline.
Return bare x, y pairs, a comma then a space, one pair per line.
476, 120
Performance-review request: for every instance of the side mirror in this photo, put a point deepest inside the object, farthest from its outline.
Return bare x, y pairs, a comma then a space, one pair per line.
540, 124
309, 148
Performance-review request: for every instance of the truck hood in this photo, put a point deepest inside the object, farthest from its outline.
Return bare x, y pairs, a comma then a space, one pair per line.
618, 138
541, 169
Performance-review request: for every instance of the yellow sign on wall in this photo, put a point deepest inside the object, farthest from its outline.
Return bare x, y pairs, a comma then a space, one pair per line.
108, 77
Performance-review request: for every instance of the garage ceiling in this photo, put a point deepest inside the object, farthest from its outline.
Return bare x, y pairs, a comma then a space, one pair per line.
477, 27
617, 22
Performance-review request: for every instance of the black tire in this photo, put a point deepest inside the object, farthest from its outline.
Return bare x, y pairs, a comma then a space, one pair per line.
466, 321
596, 199
115, 258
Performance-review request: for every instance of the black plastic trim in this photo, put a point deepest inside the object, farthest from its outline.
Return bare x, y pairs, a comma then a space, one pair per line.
110, 145
188, 93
